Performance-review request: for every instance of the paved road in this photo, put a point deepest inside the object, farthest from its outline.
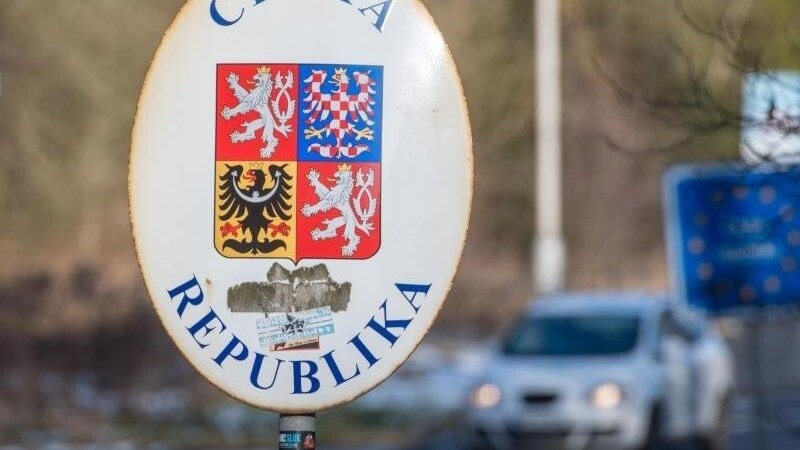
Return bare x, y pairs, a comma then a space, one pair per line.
778, 439
780, 423
781, 430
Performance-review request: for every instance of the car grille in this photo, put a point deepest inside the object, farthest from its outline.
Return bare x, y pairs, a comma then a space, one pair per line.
539, 398
541, 440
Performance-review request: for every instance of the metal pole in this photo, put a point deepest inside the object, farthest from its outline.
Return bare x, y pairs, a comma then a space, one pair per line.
759, 406
549, 254
297, 432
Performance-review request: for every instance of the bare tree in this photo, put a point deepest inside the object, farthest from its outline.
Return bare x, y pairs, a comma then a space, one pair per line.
700, 110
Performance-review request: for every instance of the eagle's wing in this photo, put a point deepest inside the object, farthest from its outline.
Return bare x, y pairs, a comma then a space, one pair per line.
362, 105
232, 205
364, 111
279, 204
315, 96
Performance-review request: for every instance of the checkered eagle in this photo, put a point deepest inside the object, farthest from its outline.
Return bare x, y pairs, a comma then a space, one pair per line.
341, 113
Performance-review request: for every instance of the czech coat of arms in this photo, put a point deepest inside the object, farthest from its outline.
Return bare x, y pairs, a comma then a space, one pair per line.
298, 161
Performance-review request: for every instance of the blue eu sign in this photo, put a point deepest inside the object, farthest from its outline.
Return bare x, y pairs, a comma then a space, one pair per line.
734, 235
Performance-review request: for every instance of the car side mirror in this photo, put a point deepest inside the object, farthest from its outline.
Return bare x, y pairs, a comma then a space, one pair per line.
670, 349
658, 354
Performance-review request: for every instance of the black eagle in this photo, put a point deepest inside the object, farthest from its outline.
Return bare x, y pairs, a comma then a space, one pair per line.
255, 207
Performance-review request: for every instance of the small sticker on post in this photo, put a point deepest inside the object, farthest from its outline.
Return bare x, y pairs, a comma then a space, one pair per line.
297, 440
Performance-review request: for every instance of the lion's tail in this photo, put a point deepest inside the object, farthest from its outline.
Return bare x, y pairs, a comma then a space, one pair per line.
284, 129
367, 228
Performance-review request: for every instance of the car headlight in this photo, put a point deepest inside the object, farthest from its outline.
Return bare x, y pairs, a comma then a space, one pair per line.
486, 395
606, 396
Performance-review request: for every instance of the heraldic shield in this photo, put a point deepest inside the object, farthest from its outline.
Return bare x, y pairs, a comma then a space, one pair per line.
298, 161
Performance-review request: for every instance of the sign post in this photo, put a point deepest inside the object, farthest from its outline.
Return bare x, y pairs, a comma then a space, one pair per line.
297, 432
733, 235
300, 186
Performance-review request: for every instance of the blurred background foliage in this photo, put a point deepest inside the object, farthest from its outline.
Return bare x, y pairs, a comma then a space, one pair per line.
70, 75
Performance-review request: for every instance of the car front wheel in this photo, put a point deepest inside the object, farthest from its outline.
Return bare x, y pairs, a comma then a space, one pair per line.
655, 435
718, 437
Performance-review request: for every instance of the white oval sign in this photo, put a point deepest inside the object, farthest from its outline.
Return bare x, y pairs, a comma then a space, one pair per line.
300, 185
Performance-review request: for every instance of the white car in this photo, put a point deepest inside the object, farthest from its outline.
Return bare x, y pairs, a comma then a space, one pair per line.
604, 370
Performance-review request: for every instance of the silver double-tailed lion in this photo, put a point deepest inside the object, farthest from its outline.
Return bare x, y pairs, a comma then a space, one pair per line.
353, 217
260, 99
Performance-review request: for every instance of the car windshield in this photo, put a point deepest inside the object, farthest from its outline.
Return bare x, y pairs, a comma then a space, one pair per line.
573, 336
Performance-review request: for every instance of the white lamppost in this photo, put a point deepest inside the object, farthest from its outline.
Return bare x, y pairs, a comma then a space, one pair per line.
549, 252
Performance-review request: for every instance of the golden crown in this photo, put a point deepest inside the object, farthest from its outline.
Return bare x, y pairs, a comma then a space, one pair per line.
345, 167
263, 70
256, 165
